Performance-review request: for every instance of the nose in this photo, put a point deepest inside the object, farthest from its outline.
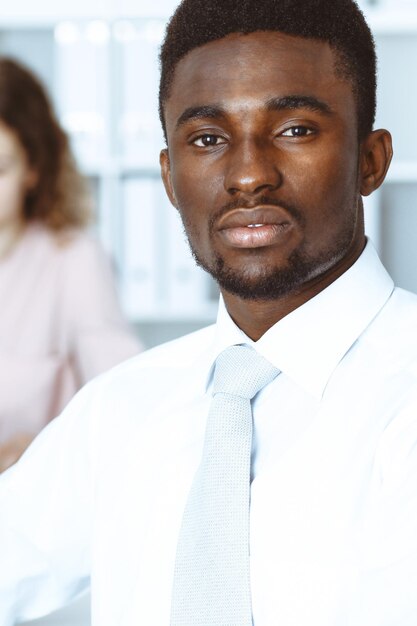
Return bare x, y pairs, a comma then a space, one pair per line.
252, 168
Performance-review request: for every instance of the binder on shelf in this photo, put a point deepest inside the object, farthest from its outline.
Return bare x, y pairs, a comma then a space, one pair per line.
46, 11
187, 286
394, 88
139, 271
82, 84
139, 128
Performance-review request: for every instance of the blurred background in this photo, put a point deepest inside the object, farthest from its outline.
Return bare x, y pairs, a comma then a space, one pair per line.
98, 59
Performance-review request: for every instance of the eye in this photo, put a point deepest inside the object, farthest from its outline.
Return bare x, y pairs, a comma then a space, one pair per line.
297, 131
208, 141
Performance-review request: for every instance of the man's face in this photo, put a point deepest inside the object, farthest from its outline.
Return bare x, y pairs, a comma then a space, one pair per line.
262, 162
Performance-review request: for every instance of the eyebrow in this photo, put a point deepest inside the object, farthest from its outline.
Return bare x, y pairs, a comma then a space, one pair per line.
201, 112
273, 104
299, 102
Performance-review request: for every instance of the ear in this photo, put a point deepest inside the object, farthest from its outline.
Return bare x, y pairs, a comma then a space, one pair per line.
375, 158
166, 176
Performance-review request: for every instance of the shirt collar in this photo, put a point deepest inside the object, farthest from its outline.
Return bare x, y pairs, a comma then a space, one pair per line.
308, 344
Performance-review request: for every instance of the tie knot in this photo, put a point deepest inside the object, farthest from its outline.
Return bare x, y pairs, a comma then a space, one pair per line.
241, 371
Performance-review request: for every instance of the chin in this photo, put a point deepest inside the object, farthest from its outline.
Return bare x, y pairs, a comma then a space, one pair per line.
269, 282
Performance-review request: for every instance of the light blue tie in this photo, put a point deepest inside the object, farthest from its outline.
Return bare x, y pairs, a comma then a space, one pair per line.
211, 579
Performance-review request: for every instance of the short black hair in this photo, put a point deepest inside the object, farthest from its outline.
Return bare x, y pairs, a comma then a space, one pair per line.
340, 23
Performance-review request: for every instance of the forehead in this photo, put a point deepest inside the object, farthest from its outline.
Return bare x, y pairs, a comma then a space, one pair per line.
257, 66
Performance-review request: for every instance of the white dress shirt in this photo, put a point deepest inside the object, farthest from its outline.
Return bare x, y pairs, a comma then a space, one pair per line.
102, 490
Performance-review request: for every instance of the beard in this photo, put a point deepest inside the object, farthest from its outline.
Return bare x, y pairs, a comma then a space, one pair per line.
270, 282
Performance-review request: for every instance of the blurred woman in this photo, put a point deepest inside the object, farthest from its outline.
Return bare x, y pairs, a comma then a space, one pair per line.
60, 323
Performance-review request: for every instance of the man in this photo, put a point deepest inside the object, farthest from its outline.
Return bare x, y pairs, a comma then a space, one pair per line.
268, 109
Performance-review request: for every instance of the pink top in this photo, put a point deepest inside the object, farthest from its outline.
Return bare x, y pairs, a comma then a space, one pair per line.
60, 325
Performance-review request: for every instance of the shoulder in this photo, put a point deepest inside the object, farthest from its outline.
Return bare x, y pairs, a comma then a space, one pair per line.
137, 388
393, 333
82, 260
155, 371
178, 355
72, 244
403, 303
78, 245
391, 356
379, 376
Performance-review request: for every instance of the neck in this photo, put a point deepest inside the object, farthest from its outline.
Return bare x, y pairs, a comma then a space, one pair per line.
9, 236
256, 317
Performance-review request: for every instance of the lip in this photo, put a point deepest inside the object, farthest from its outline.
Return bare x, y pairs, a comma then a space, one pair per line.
257, 215
258, 227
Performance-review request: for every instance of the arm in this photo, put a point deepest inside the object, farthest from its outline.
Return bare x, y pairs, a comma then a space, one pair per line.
45, 518
99, 336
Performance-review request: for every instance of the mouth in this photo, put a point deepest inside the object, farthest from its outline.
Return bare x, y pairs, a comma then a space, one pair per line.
254, 228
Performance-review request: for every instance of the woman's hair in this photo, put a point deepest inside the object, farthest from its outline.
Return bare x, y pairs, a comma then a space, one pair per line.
60, 197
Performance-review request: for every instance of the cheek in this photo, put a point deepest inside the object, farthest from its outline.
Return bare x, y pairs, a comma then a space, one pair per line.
327, 179
195, 204
195, 179
341, 189
193, 195
326, 187
12, 195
